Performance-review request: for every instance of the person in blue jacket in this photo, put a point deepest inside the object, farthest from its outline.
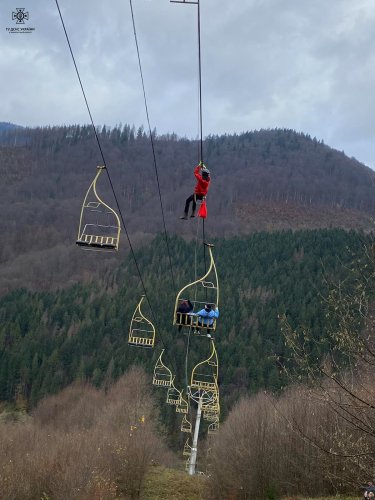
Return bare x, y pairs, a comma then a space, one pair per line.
207, 316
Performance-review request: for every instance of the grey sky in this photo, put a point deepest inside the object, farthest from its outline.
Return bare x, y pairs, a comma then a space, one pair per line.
309, 66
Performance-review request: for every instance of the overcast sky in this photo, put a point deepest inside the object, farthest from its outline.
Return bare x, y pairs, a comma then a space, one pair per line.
309, 66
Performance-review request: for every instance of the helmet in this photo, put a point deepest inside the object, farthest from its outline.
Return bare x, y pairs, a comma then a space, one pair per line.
205, 172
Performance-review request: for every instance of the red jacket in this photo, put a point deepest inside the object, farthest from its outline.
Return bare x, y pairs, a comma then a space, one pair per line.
202, 184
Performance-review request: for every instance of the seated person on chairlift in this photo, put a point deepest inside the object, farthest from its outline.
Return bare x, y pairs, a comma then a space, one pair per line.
207, 316
183, 311
203, 183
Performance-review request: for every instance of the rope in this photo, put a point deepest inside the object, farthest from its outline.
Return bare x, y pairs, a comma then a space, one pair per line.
200, 83
152, 144
201, 119
109, 177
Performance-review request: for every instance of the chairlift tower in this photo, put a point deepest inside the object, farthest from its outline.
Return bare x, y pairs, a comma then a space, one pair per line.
200, 396
204, 391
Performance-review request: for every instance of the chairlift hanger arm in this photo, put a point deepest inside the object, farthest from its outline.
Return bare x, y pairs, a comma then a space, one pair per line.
138, 336
162, 374
141, 315
101, 169
91, 187
198, 378
173, 395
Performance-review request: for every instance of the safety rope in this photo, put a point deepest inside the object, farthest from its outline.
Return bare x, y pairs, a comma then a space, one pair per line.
109, 177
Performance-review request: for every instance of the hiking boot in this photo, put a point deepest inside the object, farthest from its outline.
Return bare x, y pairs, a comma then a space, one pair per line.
192, 214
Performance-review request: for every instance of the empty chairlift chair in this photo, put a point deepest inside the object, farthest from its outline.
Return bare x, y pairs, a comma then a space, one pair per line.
162, 375
183, 406
186, 425
201, 292
213, 428
142, 331
211, 416
187, 448
204, 375
99, 225
173, 395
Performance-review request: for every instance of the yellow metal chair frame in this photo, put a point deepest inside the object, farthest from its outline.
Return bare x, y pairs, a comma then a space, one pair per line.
187, 448
142, 331
212, 406
97, 236
183, 406
173, 395
211, 416
206, 381
162, 375
213, 428
186, 425
189, 320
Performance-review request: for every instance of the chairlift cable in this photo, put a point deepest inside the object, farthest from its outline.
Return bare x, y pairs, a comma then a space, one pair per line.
200, 118
200, 113
152, 143
109, 177
81, 84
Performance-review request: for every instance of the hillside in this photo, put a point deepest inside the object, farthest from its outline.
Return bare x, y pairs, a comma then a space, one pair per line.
50, 339
262, 181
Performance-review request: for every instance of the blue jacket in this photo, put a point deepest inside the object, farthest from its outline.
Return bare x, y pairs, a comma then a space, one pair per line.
207, 317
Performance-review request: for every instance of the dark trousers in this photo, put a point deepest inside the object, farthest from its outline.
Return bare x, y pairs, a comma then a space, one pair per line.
193, 198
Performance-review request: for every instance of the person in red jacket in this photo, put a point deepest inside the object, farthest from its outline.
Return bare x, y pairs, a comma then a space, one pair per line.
203, 183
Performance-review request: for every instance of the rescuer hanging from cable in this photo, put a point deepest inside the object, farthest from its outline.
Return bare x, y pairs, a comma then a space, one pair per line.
203, 182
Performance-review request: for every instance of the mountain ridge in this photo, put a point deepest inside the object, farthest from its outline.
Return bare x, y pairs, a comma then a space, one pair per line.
266, 180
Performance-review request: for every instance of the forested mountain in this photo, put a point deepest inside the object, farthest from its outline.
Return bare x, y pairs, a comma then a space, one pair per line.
49, 339
288, 217
5, 127
261, 181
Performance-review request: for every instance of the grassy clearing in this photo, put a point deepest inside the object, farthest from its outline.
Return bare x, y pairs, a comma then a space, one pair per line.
171, 484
